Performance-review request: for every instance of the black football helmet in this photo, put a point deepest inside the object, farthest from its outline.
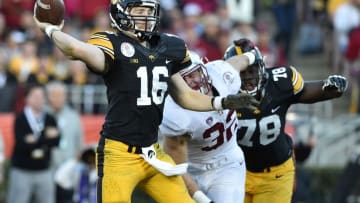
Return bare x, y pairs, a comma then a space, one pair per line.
254, 77
122, 20
195, 75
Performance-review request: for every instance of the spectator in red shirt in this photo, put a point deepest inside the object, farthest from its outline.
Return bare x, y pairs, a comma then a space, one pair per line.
12, 9
353, 50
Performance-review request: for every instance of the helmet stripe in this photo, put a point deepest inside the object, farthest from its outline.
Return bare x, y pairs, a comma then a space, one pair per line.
238, 50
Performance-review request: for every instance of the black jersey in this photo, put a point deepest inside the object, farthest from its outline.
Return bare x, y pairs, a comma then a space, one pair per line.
136, 83
261, 133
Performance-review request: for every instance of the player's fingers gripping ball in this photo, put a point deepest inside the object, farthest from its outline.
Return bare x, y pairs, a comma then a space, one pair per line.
49, 15
49, 11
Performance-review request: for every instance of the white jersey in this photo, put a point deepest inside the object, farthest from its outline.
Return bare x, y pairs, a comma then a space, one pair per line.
216, 163
213, 133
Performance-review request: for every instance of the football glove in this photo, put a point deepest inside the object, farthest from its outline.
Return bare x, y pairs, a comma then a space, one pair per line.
237, 101
338, 82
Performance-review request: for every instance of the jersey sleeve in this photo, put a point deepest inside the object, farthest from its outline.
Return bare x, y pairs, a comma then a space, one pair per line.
176, 50
102, 41
175, 120
297, 81
186, 61
224, 77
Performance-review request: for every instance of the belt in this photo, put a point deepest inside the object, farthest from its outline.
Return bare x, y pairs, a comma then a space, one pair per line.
268, 169
210, 166
136, 151
260, 170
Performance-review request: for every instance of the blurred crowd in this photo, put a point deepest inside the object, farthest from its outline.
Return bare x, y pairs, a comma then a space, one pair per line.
27, 56
278, 27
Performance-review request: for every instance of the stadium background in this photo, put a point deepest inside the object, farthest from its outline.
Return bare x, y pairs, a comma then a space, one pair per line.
313, 51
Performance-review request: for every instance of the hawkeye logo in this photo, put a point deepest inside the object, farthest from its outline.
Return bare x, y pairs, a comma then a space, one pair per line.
151, 154
152, 57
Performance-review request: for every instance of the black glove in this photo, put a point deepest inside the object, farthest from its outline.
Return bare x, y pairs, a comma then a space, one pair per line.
239, 101
337, 82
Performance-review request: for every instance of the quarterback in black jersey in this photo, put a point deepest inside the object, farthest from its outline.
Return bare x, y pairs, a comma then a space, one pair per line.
139, 66
267, 148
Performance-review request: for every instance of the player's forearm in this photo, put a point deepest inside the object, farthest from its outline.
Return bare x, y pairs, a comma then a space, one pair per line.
239, 62
188, 98
313, 92
190, 184
195, 101
78, 50
176, 147
65, 43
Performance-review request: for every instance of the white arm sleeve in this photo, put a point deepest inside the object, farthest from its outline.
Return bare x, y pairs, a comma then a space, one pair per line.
224, 77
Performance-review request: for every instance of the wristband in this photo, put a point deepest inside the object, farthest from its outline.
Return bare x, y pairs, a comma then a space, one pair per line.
250, 56
49, 30
200, 197
217, 103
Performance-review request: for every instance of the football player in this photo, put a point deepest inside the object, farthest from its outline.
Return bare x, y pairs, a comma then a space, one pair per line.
207, 140
139, 65
267, 148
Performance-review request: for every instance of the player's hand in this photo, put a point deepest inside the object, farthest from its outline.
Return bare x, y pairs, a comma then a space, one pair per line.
239, 101
338, 82
47, 27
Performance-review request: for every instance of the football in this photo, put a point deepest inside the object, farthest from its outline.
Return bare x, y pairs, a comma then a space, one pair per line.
50, 11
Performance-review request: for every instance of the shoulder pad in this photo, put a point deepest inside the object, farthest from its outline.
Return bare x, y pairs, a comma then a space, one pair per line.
285, 78
175, 47
297, 80
102, 40
223, 77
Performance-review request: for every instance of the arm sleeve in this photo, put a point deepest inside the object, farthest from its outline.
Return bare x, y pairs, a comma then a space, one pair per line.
297, 81
224, 75
102, 41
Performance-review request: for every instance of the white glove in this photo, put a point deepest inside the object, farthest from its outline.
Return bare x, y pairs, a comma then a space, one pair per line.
337, 82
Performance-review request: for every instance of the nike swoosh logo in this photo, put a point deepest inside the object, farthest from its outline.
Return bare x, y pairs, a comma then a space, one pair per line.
278, 176
167, 61
275, 109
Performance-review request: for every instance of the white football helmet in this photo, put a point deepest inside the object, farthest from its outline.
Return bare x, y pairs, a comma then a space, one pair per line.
196, 75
